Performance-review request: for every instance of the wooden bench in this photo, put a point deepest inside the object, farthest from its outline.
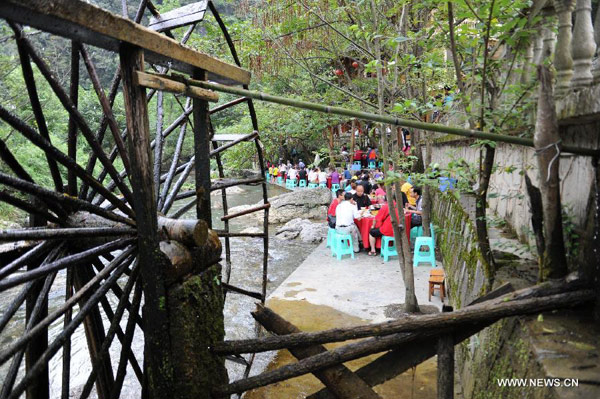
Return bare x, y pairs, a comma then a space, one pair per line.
437, 278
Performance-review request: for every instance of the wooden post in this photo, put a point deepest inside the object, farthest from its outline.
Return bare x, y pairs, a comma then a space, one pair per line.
202, 154
445, 367
157, 363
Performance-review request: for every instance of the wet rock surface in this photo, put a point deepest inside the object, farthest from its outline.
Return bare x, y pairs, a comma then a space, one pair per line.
304, 229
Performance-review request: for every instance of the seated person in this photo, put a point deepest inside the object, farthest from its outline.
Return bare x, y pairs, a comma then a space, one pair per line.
292, 173
339, 197
380, 193
313, 176
362, 200
345, 213
382, 226
302, 174
406, 188
322, 177
351, 188
335, 176
416, 218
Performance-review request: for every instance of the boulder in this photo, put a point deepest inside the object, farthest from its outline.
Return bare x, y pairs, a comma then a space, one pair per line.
303, 203
306, 230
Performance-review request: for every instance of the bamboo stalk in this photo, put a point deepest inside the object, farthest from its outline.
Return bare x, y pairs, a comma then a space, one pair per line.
386, 119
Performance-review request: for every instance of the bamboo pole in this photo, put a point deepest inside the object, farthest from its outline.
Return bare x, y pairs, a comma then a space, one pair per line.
387, 119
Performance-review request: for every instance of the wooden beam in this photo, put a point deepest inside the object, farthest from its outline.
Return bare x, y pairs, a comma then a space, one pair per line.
159, 83
86, 23
157, 352
186, 15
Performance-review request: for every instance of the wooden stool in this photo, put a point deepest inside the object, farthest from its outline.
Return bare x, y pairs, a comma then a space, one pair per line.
437, 277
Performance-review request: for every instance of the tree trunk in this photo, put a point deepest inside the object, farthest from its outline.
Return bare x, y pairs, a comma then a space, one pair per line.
547, 144
483, 238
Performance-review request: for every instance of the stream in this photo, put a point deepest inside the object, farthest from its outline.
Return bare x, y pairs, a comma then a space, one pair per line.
246, 255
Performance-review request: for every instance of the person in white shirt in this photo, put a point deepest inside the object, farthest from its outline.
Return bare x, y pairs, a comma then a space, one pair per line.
313, 176
345, 213
322, 176
292, 174
283, 170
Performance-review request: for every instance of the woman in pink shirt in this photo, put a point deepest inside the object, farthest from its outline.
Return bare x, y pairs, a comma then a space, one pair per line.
380, 193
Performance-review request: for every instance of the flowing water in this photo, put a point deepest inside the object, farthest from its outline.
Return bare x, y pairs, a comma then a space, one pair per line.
246, 272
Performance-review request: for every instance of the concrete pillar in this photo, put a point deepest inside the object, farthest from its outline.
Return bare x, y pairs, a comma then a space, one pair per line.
584, 45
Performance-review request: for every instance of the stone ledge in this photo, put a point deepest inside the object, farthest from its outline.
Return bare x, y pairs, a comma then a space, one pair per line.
579, 106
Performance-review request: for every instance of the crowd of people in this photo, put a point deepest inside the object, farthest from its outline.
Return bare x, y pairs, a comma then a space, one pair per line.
365, 198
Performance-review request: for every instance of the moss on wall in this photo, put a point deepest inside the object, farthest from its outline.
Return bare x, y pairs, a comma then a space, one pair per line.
196, 323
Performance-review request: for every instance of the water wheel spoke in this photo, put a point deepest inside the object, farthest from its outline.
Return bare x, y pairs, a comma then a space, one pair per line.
72, 127
34, 100
66, 354
238, 290
64, 233
129, 333
118, 291
36, 139
15, 305
57, 198
74, 112
176, 155
29, 207
247, 211
184, 175
55, 345
181, 211
247, 137
226, 183
228, 105
114, 329
30, 256
18, 357
63, 263
7, 156
106, 108
159, 143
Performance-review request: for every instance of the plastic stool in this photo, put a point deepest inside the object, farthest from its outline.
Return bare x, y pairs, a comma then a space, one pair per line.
342, 245
267, 176
335, 187
357, 163
388, 250
371, 164
279, 180
424, 256
302, 183
313, 185
330, 237
323, 185
415, 232
289, 183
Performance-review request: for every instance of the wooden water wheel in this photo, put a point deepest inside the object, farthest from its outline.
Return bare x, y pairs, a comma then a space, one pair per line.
105, 238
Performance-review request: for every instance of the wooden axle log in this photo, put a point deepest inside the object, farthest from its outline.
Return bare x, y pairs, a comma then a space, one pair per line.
500, 308
342, 382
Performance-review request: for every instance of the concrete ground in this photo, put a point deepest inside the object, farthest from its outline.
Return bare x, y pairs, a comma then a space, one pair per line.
363, 287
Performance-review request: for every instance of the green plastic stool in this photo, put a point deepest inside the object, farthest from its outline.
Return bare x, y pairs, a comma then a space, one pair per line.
427, 256
302, 183
289, 183
388, 250
342, 245
313, 185
415, 232
335, 187
279, 180
323, 185
330, 237
371, 164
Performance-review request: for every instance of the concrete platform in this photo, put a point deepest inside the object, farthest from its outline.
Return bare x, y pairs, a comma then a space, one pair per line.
363, 287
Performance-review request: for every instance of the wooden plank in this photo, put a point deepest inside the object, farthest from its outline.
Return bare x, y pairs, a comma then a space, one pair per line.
86, 23
182, 16
152, 81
